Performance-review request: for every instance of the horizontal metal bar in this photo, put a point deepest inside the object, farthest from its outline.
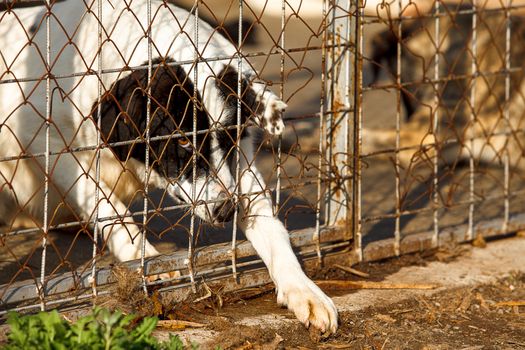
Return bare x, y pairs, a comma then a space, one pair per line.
141, 213
450, 141
121, 143
15, 4
217, 273
443, 79
423, 241
179, 63
432, 15
249, 124
56, 303
26, 231
78, 280
259, 276
248, 278
446, 207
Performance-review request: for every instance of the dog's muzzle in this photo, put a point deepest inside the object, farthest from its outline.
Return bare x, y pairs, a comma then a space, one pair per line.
223, 211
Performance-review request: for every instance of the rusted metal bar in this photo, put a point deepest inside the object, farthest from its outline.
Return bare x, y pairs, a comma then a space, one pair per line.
435, 126
468, 202
506, 117
167, 64
443, 143
444, 79
23, 292
205, 256
15, 4
320, 200
356, 89
472, 166
340, 95
397, 165
41, 286
514, 9
424, 241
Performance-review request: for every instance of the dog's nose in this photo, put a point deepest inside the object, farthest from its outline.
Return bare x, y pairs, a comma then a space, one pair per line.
224, 210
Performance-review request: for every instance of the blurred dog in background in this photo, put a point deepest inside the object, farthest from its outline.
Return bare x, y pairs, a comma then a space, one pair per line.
463, 129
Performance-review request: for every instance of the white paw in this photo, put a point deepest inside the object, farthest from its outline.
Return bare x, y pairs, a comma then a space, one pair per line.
311, 306
272, 117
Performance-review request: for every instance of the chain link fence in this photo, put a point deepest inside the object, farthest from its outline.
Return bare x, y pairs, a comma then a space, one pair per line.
403, 132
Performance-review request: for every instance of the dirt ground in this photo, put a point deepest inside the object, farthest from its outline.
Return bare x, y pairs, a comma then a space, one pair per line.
479, 304
463, 318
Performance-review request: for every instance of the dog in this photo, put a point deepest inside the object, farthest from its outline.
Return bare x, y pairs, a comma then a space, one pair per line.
463, 131
179, 88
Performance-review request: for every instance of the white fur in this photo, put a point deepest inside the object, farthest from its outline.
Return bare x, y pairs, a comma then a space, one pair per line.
74, 49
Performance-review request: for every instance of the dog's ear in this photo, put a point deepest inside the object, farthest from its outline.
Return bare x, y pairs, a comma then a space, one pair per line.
226, 82
123, 115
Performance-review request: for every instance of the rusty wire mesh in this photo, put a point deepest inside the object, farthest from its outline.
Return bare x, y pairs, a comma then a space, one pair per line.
59, 253
403, 130
451, 77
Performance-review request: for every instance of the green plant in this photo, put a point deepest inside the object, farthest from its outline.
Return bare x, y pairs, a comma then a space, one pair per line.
101, 330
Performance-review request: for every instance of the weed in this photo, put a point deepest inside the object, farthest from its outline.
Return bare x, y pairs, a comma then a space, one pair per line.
101, 330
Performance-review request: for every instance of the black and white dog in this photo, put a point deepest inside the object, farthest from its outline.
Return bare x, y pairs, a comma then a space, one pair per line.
74, 108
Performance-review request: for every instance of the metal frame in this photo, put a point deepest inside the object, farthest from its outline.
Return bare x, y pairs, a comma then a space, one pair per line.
340, 220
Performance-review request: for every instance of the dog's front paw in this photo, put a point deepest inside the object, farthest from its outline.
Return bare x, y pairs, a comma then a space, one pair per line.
311, 306
272, 119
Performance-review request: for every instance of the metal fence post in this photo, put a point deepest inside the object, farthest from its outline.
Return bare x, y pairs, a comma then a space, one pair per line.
342, 117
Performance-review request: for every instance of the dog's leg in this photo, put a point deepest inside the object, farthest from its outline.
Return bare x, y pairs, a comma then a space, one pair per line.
270, 239
122, 235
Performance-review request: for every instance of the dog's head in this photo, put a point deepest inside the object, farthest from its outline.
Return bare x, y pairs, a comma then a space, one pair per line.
176, 110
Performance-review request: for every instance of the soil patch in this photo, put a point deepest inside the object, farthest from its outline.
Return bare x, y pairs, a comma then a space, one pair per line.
474, 318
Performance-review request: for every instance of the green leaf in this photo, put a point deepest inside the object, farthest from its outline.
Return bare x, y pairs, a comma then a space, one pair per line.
101, 330
173, 343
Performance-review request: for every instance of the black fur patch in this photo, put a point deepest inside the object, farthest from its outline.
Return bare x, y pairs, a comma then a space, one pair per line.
226, 82
123, 118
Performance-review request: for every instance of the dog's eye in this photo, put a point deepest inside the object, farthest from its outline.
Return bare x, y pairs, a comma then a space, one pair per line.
185, 143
